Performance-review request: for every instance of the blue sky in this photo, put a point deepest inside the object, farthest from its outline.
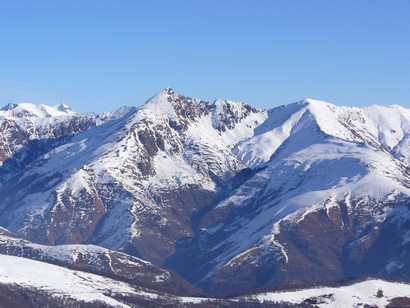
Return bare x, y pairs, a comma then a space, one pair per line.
100, 55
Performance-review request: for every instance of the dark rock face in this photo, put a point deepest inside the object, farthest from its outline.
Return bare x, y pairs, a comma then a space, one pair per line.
219, 192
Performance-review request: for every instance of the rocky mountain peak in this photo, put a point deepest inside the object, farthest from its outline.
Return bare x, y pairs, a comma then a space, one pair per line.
168, 91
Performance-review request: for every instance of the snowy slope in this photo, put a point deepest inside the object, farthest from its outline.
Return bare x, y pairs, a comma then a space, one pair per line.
377, 293
60, 281
96, 260
316, 166
382, 127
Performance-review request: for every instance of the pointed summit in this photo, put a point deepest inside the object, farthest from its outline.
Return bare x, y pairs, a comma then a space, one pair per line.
168, 91
63, 108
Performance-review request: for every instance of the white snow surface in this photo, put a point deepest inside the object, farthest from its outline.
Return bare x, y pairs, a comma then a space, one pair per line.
61, 281
345, 296
33, 110
66, 253
373, 292
384, 126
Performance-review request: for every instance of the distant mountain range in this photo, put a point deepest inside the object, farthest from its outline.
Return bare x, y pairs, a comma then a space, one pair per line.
186, 197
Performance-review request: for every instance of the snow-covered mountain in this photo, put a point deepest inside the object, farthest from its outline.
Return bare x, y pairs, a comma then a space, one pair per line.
113, 184
329, 200
299, 194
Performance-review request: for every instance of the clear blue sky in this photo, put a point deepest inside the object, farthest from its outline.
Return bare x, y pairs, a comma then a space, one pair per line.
98, 55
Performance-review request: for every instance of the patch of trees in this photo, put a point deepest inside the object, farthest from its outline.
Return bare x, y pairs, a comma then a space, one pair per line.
17, 296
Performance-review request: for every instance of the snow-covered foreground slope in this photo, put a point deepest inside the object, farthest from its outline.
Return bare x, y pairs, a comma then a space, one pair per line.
299, 194
97, 260
61, 282
374, 293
